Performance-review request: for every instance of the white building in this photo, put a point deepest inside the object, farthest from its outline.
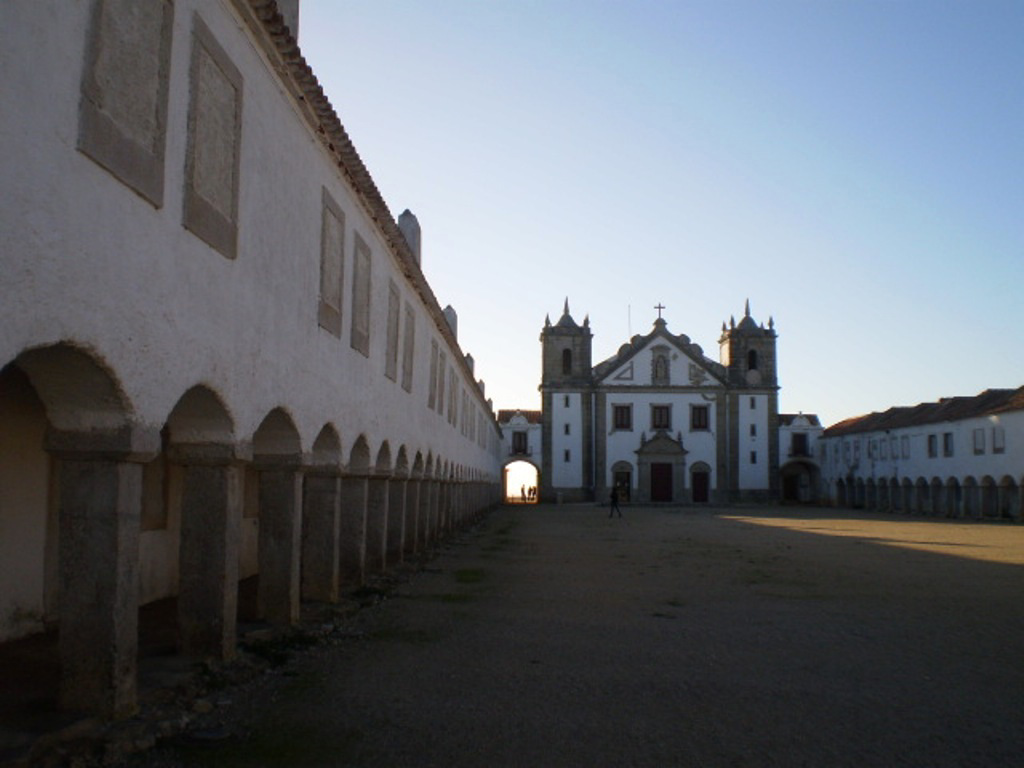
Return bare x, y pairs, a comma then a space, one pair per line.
959, 457
798, 457
219, 356
659, 420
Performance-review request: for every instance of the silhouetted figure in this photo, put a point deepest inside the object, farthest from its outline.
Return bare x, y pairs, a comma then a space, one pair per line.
614, 503
522, 493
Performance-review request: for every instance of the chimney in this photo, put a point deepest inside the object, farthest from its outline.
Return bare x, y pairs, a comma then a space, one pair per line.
453, 320
409, 226
470, 362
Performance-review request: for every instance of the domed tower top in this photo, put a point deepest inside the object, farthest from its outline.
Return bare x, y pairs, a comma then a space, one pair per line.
566, 350
747, 350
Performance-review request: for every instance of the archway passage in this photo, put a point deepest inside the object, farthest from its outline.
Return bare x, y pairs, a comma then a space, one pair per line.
521, 480
799, 481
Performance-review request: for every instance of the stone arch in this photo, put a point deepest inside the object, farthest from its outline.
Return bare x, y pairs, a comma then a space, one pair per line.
922, 497
382, 464
884, 503
417, 465
277, 458
359, 457
859, 493
938, 496
191, 510
78, 388
1009, 499
988, 502
327, 447
954, 498
77, 547
402, 463
971, 502
200, 417
276, 436
871, 494
840, 492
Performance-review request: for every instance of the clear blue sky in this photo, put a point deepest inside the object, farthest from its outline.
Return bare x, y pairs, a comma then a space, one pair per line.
855, 168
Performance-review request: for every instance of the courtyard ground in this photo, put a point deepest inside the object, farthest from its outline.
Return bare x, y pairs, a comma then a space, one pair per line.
554, 636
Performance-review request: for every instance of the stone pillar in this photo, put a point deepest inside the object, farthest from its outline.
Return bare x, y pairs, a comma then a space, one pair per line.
397, 499
211, 512
321, 522
410, 543
279, 550
352, 530
99, 507
376, 523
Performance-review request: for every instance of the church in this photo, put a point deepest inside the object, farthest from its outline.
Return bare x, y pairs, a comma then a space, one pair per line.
660, 421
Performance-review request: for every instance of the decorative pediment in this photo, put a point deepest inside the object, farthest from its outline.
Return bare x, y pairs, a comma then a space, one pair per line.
661, 444
659, 360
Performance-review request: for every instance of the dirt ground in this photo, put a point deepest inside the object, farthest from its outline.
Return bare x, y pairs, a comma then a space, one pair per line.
554, 636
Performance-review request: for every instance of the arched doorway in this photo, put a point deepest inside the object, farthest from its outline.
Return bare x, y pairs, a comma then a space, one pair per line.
661, 464
700, 482
622, 479
520, 482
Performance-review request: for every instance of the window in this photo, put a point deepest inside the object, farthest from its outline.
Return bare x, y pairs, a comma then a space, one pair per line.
408, 347
453, 397
752, 360
660, 369
798, 446
566, 430
998, 440
872, 449
568, 455
698, 417
566, 401
979, 440
933, 446
360, 337
519, 444
566, 361
753, 457
905, 446
622, 417
123, 105
432, 385
391, 351
753, 430
661, 417
442, 371
753, 403
332, 262
214, 138
947, 443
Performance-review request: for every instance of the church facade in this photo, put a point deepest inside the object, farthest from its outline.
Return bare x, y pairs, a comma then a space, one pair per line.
660, 421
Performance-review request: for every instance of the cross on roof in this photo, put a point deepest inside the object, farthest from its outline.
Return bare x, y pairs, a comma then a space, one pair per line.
659, 306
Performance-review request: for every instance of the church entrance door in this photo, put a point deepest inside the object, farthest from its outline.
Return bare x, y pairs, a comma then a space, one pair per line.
661, 482
700, 487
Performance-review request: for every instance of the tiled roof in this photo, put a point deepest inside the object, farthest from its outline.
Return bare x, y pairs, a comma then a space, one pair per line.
785, 419
532, 417
989, 402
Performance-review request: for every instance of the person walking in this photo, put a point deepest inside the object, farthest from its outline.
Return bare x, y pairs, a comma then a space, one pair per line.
614, 502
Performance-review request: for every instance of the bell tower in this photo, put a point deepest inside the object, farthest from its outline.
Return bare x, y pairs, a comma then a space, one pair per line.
747, 350
567, 408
